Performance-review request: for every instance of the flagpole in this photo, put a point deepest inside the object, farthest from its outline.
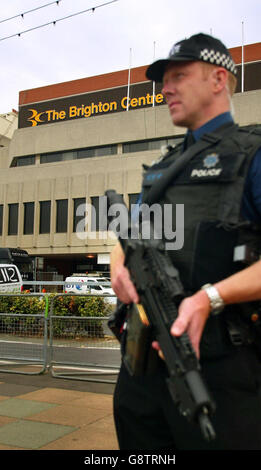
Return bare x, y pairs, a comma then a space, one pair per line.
153, 83
242, 60
129, 74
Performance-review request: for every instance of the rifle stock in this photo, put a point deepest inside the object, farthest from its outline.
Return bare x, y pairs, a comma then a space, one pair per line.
160, 292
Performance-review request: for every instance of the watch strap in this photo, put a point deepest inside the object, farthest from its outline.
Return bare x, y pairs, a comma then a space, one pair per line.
217, 304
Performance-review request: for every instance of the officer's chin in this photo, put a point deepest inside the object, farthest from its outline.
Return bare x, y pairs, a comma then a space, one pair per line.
179, 120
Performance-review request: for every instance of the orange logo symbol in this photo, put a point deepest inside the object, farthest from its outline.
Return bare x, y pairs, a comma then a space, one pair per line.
35, 117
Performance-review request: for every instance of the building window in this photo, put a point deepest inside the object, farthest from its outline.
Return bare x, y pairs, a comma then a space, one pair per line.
133, 199
99, 213
58, 157
79, 208
45, 216
78, 154
145, 145
97, 151
133, 204
12, 219
28, 218
61, 215
1, 218
135, 147
23, 161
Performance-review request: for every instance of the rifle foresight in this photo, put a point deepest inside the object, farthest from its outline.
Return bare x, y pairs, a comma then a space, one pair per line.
114, 197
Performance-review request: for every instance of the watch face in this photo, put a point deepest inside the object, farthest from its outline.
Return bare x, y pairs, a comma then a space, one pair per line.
216, 301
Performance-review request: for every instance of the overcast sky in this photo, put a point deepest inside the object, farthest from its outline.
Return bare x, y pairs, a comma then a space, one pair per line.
99, 42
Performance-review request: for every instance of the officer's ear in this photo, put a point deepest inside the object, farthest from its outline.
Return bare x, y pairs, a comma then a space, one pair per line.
219, 79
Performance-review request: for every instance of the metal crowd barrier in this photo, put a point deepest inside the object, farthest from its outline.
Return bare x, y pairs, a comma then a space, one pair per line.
75, 347
82, 347
23, 337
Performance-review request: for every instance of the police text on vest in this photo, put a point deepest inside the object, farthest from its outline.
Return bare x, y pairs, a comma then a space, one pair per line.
204, 172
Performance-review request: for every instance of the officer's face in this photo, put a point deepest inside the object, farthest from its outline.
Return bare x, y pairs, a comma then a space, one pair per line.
188, 93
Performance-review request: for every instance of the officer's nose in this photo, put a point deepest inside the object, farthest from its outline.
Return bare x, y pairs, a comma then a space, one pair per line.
167, 89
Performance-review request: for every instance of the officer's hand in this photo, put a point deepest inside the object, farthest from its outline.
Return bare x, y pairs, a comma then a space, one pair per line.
120, 277
192, 317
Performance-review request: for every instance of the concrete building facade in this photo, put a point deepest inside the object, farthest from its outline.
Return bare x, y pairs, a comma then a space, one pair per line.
76, 140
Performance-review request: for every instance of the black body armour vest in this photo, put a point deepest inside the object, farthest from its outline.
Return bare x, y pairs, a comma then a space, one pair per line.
210, 188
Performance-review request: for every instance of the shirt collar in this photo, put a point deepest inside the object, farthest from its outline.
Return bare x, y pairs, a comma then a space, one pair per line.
213, 124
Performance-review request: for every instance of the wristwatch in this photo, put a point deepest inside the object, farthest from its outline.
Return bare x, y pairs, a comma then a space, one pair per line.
216, 302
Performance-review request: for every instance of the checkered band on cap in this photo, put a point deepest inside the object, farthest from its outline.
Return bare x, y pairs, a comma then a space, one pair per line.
215, 57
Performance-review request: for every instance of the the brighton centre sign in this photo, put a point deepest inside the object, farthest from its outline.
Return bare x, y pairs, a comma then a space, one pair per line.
87, 105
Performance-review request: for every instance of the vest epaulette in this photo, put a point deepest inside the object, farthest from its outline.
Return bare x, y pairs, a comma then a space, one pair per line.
250, 137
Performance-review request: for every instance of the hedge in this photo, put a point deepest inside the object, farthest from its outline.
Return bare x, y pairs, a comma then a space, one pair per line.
63, 306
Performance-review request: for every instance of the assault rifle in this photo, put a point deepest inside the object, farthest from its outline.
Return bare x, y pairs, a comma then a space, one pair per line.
160, 291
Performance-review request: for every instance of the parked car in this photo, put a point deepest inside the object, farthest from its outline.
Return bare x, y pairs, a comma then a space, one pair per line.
10, 279
85, 283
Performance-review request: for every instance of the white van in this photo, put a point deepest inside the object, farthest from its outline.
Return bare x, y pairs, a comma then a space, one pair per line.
85, 283
10, 279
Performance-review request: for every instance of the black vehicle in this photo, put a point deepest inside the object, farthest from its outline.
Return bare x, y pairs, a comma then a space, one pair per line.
21, 259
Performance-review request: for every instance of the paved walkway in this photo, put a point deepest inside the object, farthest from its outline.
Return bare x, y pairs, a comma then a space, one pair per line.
41, 412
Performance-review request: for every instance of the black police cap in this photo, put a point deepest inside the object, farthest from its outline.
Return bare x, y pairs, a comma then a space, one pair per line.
199, 47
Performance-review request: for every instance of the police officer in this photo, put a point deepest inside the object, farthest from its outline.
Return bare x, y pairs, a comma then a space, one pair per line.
218, 263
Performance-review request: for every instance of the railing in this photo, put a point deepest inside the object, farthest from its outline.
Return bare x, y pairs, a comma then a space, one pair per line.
82, 347
58, 285
75, 347
24, 338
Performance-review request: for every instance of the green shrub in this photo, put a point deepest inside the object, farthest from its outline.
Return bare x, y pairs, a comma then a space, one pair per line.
63, 306
21, 304
77, 306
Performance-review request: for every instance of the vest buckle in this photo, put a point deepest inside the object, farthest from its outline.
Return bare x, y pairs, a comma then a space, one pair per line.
235, 334
236, 338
